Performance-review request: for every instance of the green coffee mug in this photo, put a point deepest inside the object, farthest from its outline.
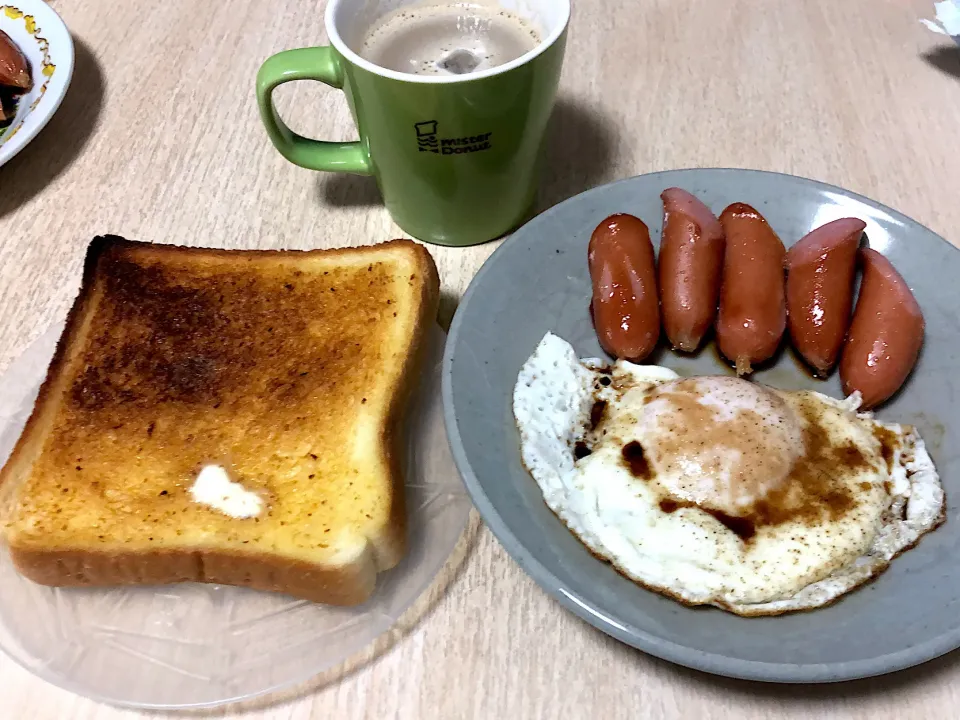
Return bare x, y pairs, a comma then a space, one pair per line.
457, 158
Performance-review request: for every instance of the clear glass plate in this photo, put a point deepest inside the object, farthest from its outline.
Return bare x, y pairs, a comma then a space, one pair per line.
192, 645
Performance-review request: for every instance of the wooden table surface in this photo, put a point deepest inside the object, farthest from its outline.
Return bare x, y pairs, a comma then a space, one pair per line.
159, 140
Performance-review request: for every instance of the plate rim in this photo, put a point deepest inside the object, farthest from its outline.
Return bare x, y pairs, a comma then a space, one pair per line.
66, 59
712, 663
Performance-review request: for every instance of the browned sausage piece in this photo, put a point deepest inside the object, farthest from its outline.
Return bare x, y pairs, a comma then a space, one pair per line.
625, 307
821, 269
691, 264
14, 71
885, 336
753, 311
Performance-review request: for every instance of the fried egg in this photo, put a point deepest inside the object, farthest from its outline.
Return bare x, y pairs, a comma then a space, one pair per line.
720, 491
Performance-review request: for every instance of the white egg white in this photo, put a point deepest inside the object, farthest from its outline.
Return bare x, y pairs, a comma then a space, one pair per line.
686, 552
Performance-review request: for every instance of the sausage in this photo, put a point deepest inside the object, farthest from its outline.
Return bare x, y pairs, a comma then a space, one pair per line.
821, 269
885, 336
13, 65
691, 264
625, 307
753, 310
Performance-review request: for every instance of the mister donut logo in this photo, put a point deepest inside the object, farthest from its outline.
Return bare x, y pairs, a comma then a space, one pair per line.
429, 140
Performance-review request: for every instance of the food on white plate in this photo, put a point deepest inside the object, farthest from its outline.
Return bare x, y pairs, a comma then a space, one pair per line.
753, 310
690, 268
231, 417
14, 70
15, 78
821, 269
719, 491
886, 333
625, 305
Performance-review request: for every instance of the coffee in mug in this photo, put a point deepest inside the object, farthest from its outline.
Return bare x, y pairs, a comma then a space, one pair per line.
448, 38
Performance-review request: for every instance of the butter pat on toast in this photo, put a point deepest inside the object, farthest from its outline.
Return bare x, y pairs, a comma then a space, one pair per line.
224, 416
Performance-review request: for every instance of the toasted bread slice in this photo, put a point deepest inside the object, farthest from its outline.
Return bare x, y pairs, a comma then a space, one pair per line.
288, 370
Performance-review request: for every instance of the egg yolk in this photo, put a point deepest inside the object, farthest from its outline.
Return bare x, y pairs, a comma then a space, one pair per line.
719, 442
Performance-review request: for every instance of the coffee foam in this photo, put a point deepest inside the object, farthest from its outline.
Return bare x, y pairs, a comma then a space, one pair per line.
448, 38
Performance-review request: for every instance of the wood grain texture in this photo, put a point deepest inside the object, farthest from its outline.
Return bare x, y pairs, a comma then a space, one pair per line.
159, 140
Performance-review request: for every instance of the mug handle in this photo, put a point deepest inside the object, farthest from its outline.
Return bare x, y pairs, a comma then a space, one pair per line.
316, 63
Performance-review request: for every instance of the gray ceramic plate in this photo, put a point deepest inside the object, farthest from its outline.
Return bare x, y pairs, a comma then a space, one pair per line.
538, 282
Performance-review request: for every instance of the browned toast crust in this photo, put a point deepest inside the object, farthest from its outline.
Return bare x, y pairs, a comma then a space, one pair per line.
159, 382
347, 585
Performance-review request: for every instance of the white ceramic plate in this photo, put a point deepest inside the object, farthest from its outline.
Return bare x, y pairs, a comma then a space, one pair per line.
194, 645
45, 41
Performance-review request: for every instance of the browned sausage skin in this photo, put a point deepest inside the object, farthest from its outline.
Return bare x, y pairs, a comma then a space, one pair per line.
885, 336
625, 306
821, 269
691, 264
753, 312
14, 71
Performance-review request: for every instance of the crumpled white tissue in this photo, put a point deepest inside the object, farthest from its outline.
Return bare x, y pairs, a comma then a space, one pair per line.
948, 19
